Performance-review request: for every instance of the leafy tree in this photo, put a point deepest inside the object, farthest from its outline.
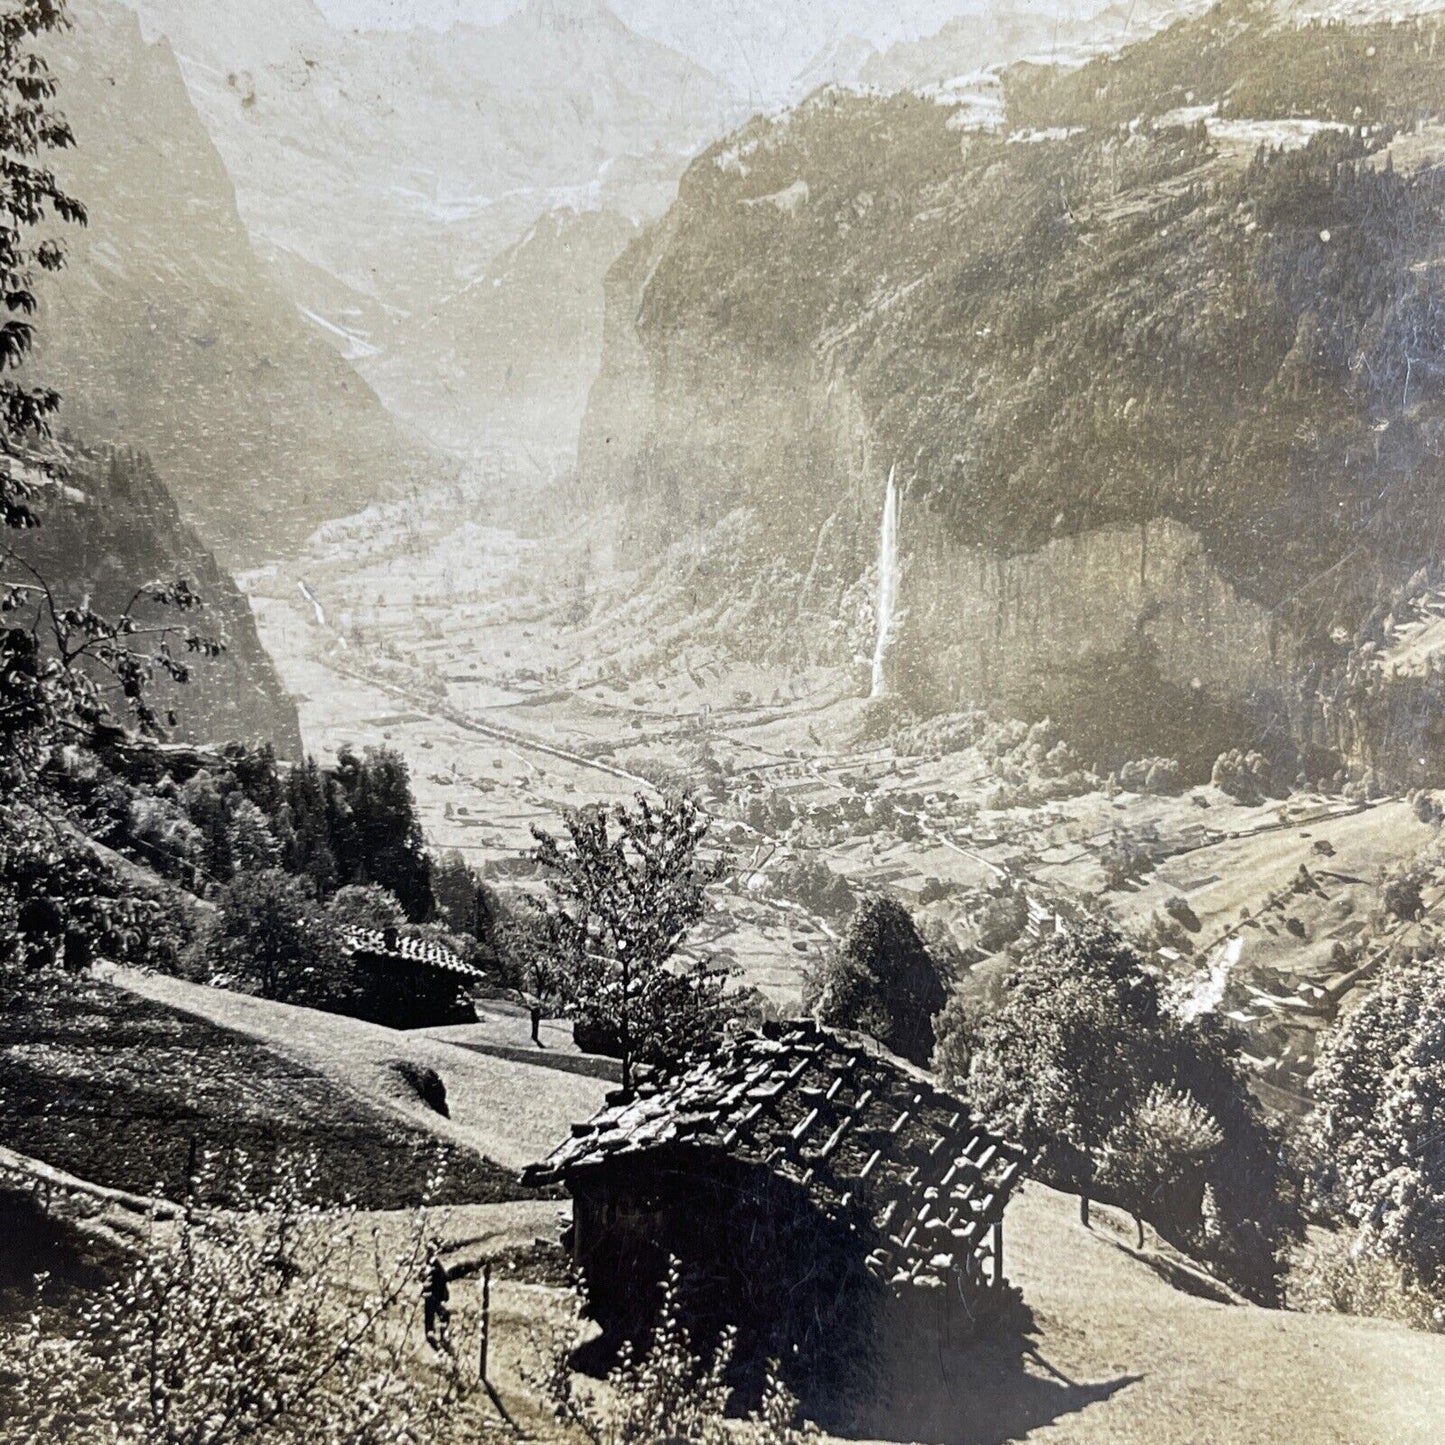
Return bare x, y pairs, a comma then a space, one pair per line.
883, 979
230, 1328
270, 935
30, 129
1068, 1054
1157, 1159
364, 905
620, 904
1380, 1097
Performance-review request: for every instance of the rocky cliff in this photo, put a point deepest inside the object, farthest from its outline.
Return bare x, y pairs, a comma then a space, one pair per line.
165, 333
1153, 353
112, 529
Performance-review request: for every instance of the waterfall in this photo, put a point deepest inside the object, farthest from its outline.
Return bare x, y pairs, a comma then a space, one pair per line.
887, 582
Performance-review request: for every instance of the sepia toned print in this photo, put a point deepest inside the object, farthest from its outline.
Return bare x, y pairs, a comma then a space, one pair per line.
722, 721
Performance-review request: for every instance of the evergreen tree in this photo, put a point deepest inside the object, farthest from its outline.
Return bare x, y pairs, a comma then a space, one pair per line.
882, 980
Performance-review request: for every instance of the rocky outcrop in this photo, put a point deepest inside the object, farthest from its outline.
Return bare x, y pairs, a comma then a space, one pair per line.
115, 529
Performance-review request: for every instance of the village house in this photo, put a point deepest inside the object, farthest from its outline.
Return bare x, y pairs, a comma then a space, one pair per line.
409, 983
824, 1197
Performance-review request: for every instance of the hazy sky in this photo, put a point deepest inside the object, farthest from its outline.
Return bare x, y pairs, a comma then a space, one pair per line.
757, 44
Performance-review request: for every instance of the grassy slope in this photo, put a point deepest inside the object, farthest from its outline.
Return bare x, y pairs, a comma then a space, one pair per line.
1119, 1357
511, 1112
114, 1088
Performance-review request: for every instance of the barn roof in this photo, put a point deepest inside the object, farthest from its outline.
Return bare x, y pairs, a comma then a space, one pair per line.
425, 951
861, 1130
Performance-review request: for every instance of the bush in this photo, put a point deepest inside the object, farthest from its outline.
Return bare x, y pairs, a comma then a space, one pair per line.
665, 1390
1337, 1274
235, 1328
1072, 1052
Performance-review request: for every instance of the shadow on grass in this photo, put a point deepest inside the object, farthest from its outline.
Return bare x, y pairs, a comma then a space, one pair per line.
998, 1389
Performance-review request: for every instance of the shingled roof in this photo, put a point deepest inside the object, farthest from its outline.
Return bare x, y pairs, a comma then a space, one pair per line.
425, 951
869, 1136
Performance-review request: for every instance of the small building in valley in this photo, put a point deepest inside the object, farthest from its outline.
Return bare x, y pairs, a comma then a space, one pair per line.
406, 982
821, 1196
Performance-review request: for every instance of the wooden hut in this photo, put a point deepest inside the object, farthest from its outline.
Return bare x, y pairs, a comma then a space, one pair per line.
409, 983
821, 1196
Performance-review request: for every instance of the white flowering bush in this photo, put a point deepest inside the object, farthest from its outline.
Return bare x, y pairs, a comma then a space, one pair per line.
286, 1324
664, 1391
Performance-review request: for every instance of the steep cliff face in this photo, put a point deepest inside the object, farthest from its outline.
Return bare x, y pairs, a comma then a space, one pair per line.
114, 528
1143, 382
165, 332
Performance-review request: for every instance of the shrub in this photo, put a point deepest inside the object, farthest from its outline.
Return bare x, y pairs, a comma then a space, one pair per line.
1338, 1274
234, 1328
665, 1390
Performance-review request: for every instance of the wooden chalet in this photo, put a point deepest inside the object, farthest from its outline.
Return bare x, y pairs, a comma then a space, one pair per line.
411, 982
820, 1195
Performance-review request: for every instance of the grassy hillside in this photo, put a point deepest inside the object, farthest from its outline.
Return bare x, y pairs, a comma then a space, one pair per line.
120, 1090
1114, 1354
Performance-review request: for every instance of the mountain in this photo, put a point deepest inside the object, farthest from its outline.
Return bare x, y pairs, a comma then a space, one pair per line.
841, 62
166, 334
114, 528
1000, 35
770, 51
1156, 360
393, 167
514, 352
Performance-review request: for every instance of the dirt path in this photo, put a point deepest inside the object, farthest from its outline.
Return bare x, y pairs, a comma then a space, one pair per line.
511, 1112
